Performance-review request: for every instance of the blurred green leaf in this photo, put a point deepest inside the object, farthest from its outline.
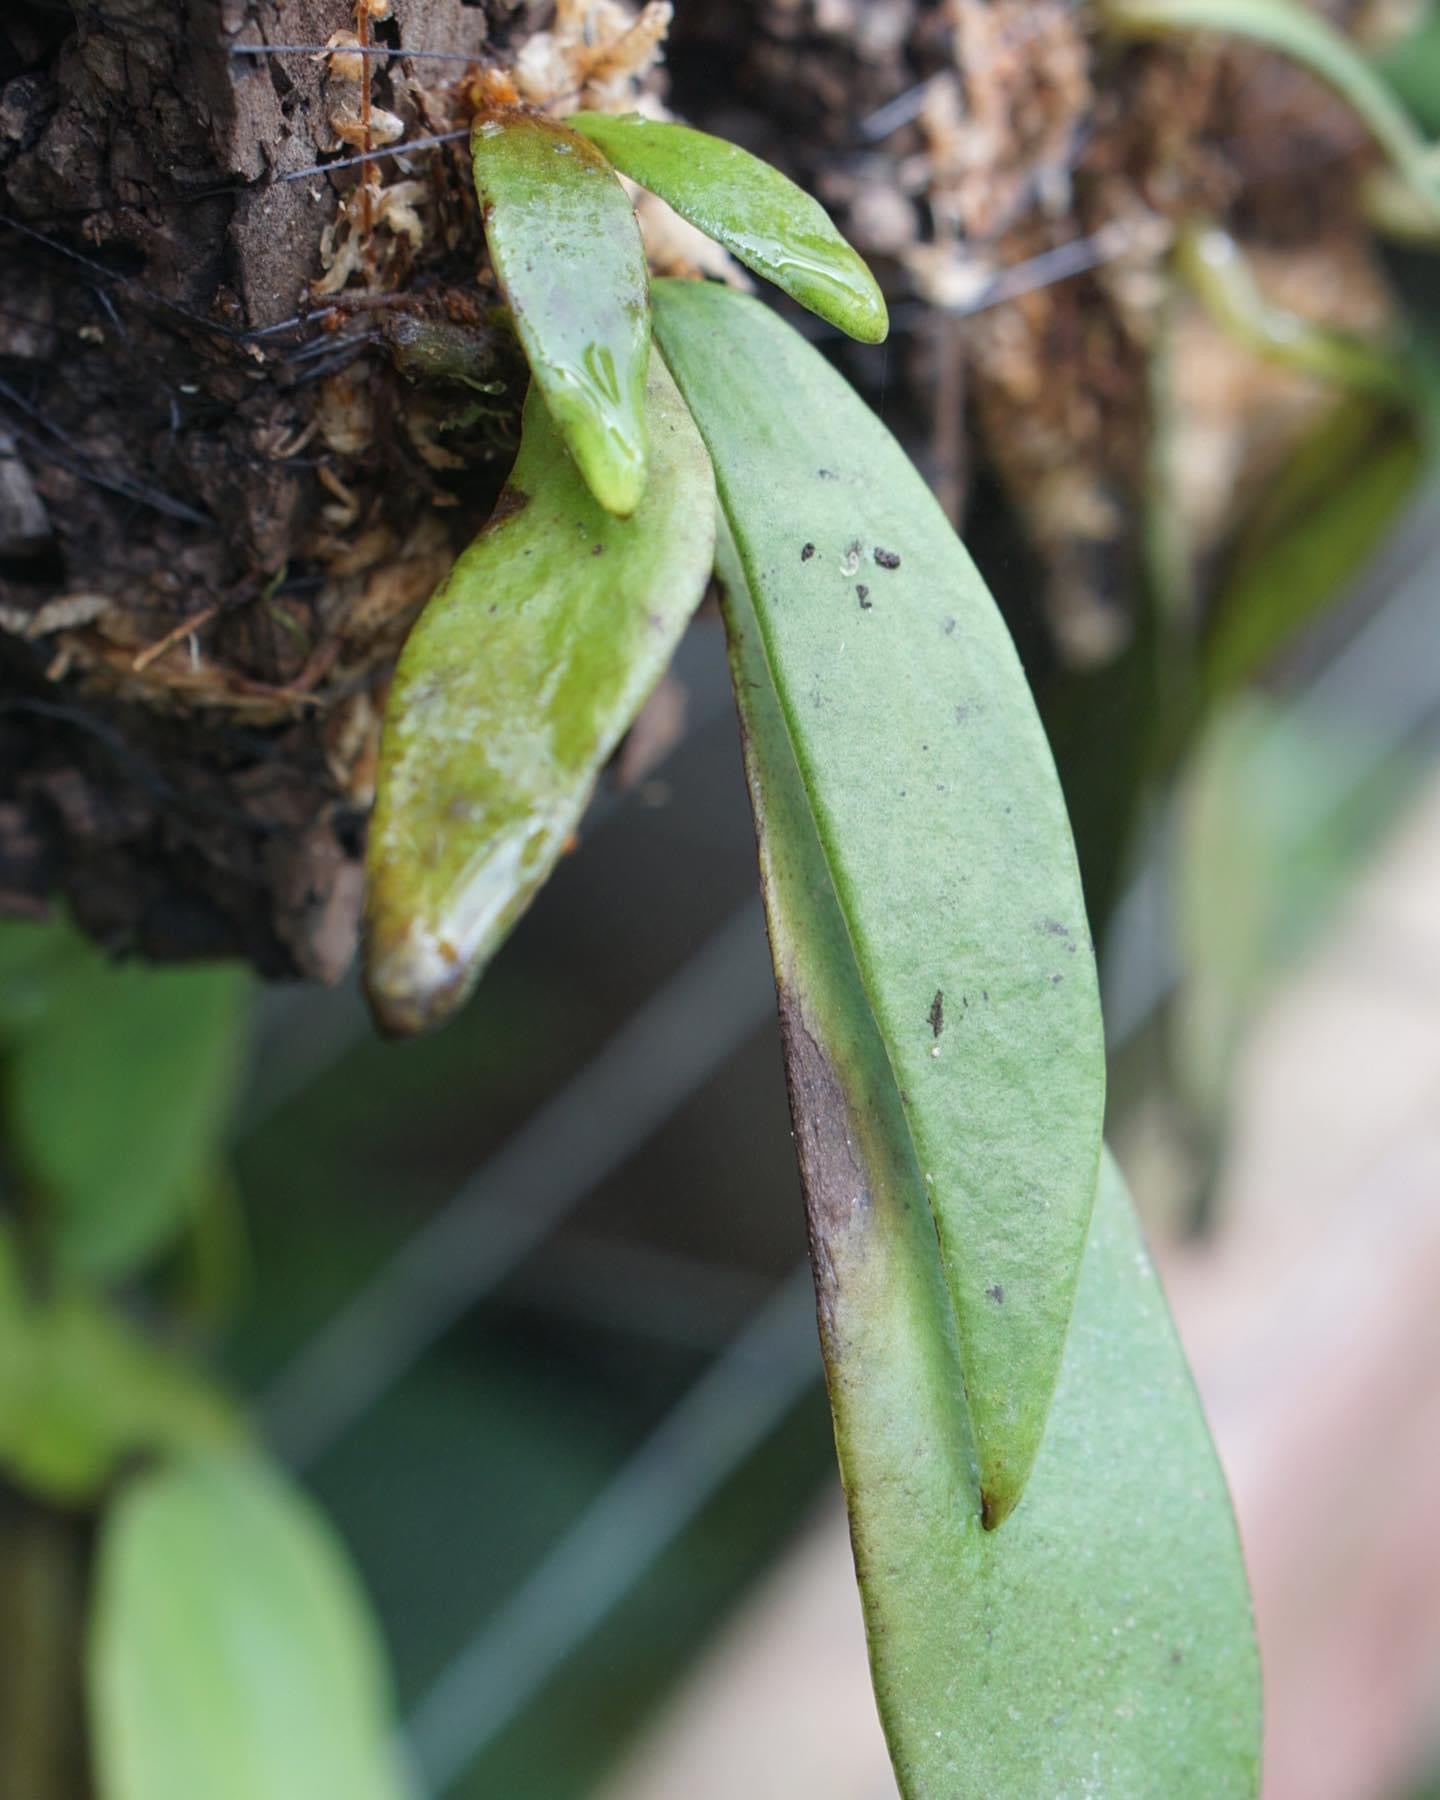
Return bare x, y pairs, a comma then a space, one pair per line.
1298, 31
33, 958
1412, 68
566, 247
935, 799
232, 1655
1099, 1641
1314, 529
525, 670
115, 1102
758, 214
81, 1391
1273, 828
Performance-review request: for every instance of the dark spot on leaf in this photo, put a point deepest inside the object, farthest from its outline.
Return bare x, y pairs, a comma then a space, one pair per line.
597, 550
949, 627
937, 1013
862, 593
1055, 980
512, 501
827, 474
1055, 928
962, 713
887, 559
996, 1292
807, 552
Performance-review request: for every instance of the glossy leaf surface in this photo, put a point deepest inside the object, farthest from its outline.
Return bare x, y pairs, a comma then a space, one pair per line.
758, 214
939, 813
115, 1099
1101, 1642
566, 246
231, 1652
514, 688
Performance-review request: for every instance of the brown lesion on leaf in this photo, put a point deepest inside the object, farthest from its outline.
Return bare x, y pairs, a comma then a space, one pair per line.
837, 1190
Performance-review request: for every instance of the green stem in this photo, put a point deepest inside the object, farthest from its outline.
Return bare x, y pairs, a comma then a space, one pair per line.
1214, 268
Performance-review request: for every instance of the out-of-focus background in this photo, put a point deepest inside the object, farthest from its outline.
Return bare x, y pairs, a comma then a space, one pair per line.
525, 1305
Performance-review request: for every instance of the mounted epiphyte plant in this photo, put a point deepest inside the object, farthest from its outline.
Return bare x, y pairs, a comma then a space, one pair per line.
937, 981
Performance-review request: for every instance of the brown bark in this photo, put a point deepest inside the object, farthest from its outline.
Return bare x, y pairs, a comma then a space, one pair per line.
188, 437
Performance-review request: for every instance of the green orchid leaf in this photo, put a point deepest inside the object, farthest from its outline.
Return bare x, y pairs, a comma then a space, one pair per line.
117, 1094
758, 214
566, 246
1300, 32
34, 956
938, 810
521, 677
1101, 1642
1412, 68
81, 1392
1311, 534
231, 1652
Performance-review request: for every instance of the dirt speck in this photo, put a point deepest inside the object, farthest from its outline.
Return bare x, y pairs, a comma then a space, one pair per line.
949, 627
887, 559
937, 1013
996, 1292
827, 474
807, 551
862, 594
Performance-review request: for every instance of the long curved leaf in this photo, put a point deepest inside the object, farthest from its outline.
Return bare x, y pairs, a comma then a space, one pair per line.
231, 1652
567, 249
758, 214
1298, 31
940, 817
1101, 1642
516, 685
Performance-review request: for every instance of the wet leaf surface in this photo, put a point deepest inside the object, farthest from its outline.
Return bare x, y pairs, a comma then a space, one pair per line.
937, 807
521, 677
1101, 1641
231, 1653
566, 247
758, 214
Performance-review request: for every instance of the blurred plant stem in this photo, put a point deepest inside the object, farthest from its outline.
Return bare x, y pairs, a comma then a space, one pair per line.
42, 1617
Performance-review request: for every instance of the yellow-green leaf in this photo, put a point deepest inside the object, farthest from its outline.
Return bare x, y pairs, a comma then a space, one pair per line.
567, 249
936, 803
232, 1655
758, 214
521, 677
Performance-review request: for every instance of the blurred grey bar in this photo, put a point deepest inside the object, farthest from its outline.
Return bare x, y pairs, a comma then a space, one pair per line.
721, 1421
660, 1057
